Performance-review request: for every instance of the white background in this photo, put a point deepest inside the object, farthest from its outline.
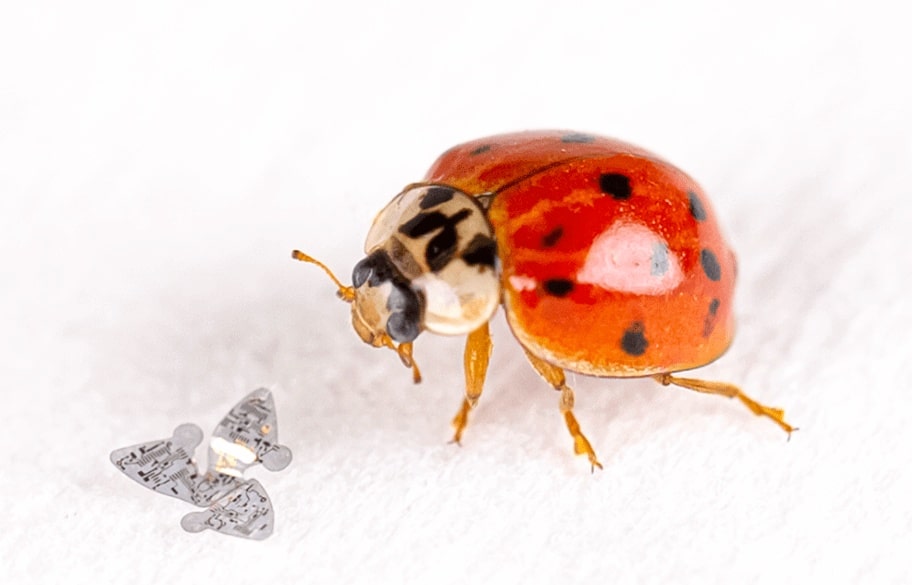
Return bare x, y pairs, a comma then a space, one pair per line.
158, 161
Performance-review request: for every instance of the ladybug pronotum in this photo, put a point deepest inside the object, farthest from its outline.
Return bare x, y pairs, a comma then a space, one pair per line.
607, 260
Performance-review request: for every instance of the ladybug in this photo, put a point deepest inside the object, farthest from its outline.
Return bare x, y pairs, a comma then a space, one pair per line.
607, 260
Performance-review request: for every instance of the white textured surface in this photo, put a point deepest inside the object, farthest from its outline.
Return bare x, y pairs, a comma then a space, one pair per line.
158, 162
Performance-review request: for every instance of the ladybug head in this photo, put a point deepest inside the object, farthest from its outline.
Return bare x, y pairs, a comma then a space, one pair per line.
431, 265
384, 309
384, 304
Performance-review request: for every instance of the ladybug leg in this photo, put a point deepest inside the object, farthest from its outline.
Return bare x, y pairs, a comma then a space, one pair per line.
477, 355
555, 376
731, 391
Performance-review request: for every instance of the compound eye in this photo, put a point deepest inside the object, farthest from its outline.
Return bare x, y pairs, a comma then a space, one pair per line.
401, 328
404, 323
362, 272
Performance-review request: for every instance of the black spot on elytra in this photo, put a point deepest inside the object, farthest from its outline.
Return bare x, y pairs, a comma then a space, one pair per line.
480, 150
481, 251
558, 287
634, 341
709, 323
616, 185
577, 137
710, 264
550, 239
714, 306
696, 206
442, 247
435, 196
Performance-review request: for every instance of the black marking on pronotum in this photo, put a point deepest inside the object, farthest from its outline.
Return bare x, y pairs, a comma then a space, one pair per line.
435, 196
709, 323
558, 287
696, 206
577, 137
427, 221
442, 247
634, 341
550, 239
710, 264
481, 251
480, 150
616, 185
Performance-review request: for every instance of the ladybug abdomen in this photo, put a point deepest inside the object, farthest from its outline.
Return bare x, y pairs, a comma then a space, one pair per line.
612, 262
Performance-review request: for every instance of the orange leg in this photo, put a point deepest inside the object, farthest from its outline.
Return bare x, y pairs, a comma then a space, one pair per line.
477, 355
731, 391
555, 376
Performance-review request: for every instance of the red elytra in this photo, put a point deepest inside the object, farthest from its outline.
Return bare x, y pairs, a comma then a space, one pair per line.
611, 263
645, 264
